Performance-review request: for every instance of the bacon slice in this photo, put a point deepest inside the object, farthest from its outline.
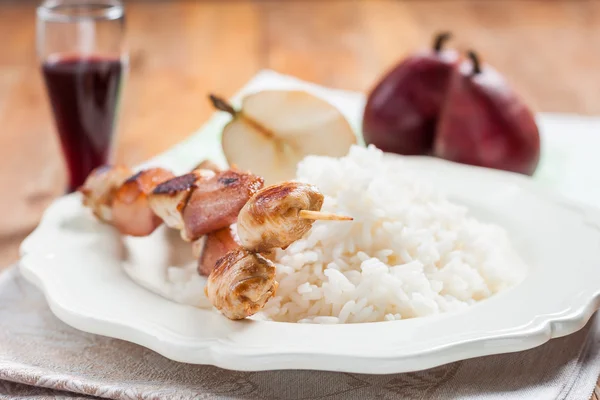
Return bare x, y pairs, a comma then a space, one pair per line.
216, 203
169, 198
131, 213
216, 245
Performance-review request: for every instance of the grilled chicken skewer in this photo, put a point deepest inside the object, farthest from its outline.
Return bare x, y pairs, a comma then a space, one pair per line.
203, 204
242, 281
197, 203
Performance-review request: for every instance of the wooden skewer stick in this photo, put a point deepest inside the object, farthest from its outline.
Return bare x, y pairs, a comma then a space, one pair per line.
322, 216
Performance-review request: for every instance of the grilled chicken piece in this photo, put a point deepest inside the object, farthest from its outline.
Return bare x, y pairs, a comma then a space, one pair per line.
270, 219
131, 213
216, 203
169, 198
241, 283
207, 164
216, 244
100, 187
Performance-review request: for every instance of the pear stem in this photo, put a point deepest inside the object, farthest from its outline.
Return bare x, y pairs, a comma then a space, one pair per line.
439, 40
476, 63
222, 105
322, 216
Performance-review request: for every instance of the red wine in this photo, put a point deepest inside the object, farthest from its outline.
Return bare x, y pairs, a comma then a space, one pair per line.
84, 92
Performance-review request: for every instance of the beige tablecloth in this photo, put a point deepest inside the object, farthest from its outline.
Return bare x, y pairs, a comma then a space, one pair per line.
40, 357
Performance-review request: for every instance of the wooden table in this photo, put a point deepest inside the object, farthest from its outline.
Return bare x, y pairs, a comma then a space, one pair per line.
180, 50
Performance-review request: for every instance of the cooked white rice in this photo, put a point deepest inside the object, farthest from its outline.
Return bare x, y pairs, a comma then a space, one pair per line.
408, 253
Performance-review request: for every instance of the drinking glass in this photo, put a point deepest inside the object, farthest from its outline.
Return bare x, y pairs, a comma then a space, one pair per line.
80, 45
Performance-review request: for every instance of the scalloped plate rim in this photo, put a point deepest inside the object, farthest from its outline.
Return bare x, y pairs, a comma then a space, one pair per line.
226, 355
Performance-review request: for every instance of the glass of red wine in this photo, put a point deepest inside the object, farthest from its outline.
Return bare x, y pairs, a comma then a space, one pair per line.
80, 45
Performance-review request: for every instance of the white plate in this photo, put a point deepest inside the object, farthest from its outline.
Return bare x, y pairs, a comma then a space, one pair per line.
76, 262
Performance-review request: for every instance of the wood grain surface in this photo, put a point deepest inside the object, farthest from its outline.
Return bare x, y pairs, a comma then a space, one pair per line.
180, 50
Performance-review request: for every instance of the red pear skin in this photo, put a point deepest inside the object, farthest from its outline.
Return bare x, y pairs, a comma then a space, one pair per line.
402, 111
484, 123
